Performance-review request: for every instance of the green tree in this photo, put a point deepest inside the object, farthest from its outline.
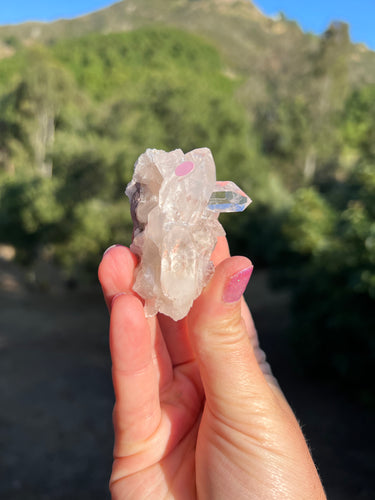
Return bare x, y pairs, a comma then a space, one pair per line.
150, 88
29, 214
332, 271
327, 92
31, 110
358, 124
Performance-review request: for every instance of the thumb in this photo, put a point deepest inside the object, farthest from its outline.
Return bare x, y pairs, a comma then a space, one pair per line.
229, 370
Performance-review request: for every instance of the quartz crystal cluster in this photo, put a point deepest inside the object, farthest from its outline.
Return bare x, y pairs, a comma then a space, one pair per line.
175, 202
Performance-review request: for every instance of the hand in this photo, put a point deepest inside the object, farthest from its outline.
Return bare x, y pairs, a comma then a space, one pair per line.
198, 413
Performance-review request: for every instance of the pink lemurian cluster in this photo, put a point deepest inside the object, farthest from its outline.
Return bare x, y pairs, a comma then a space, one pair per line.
175, 203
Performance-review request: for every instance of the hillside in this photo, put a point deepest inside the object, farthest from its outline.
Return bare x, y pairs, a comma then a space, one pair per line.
249, 41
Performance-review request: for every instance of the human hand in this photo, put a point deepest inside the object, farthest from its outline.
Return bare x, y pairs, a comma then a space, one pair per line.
198, 413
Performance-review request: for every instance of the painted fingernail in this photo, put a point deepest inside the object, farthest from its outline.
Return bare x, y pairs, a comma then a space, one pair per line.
112, 246
237, 284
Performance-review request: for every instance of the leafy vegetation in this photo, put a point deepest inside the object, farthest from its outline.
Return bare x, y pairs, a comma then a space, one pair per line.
75, 119
333, 279
295, 129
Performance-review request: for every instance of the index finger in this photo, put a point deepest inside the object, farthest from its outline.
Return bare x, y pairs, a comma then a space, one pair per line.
116, 272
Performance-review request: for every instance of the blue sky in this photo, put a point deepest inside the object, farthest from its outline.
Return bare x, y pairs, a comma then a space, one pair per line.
316, 15
17, 11
312, 16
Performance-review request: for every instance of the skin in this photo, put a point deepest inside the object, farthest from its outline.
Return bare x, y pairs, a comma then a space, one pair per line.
198, 413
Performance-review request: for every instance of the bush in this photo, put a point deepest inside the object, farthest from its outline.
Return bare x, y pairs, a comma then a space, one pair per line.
334, 287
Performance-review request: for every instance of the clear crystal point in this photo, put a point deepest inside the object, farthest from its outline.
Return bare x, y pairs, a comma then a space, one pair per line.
228, 197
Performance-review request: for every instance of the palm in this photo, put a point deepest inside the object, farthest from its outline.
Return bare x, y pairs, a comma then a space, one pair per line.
167, 462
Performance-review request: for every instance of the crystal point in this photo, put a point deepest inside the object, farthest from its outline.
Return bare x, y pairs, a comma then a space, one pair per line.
228, 197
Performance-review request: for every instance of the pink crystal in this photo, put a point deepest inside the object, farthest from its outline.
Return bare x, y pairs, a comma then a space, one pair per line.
175, 231
184, 168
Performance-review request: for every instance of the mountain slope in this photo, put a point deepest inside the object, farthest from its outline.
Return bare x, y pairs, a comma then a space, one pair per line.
249, 41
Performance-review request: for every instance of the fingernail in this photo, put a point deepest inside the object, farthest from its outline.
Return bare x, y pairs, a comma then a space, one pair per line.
112, 246
237, 284
115, 297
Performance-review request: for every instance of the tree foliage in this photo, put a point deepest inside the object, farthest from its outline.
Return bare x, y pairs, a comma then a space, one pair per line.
334, 281
75, 115
79, 114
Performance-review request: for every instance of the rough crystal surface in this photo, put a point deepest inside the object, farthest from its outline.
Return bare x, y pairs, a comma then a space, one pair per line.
175, 216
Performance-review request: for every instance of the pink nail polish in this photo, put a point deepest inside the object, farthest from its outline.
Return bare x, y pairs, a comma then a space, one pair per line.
237, 284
